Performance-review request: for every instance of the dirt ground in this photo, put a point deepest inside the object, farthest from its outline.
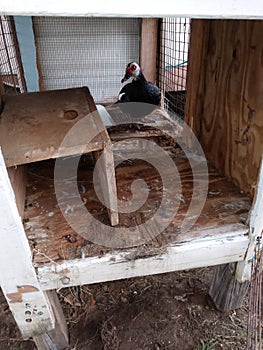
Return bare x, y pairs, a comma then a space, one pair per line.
169, 311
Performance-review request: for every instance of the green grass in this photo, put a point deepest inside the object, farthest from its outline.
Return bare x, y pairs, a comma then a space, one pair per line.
207, 345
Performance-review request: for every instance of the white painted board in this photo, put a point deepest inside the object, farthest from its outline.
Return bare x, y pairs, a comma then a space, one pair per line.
146, 8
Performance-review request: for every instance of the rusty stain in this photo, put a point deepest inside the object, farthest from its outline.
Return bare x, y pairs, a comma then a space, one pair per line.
17, 296
70, 114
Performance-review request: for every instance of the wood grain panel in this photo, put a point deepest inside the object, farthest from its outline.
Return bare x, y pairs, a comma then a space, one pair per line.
34, 125
52, 239
232, 123
196, 74
148, 47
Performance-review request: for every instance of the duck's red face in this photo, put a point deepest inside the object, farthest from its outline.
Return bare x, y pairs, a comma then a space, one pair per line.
131, 70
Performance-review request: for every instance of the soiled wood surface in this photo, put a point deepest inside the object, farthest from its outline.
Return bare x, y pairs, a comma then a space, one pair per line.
52, 239
34, 125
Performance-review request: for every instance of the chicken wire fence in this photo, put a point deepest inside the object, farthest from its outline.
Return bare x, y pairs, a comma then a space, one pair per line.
83, 51
173, 59
11, 70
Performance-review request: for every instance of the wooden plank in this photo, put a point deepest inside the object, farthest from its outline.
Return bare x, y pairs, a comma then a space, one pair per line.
18, 279
56, 339
117, 8
107, 184
148, 47
196, 74
255, 221
231, 128
18, 179
132, 263
53, 239
33, 125
226, 291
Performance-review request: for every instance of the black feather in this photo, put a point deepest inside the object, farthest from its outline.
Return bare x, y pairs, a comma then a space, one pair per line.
140, 90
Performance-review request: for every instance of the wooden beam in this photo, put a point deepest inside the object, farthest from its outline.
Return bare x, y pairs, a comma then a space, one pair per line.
18, 279
57, 338
231, 281
117, 8
18, 177
148, 47
107, 184
196, 74
134, 263
226, 292
255, 221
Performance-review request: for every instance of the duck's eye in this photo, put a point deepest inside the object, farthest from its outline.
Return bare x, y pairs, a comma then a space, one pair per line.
133, 67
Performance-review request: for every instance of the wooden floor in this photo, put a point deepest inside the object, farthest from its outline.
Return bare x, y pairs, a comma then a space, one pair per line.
53, 240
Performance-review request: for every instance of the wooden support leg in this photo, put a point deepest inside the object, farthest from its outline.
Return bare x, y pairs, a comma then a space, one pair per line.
226, 292
18, 278
56, 339
106, 173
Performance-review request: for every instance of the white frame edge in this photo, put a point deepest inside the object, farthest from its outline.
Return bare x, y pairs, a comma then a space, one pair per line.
116, 8
119, 265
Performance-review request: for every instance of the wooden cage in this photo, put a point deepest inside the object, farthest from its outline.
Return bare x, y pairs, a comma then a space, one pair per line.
40, 252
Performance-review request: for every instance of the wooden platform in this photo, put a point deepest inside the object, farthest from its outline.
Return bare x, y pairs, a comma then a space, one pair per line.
33, 125
218, 236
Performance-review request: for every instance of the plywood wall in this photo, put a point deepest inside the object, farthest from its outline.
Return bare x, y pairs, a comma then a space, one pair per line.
228, 108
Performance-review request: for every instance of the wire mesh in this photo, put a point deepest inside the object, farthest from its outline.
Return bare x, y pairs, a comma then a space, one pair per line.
10, 62
77, 51
173, 58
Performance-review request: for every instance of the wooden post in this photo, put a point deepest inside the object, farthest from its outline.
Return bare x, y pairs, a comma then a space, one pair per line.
106, 173
255, 221
196, 74
148, 47
231, 281
57, 339
226, 292
18, 279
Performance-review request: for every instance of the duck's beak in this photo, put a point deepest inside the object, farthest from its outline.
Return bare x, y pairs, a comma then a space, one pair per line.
126, 77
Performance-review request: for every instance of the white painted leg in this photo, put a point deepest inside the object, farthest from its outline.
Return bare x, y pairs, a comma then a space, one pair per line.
18, 279
255, 221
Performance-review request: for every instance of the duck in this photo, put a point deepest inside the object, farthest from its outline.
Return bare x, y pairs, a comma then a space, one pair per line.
146, 94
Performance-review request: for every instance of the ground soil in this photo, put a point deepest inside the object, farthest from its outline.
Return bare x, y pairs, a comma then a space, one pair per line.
169, 311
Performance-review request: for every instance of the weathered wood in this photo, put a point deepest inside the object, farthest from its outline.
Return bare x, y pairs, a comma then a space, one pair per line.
106, 173
148, 47
142, 261
196, 74
53, 239
18, 279
34, 125
56, 339
18, 178
226, 292
255, 221
231, 128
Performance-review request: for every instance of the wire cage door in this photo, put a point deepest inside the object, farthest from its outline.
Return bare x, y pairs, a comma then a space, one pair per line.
173, 59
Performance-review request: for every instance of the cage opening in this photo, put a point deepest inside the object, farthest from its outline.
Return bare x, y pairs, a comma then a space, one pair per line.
173, 60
